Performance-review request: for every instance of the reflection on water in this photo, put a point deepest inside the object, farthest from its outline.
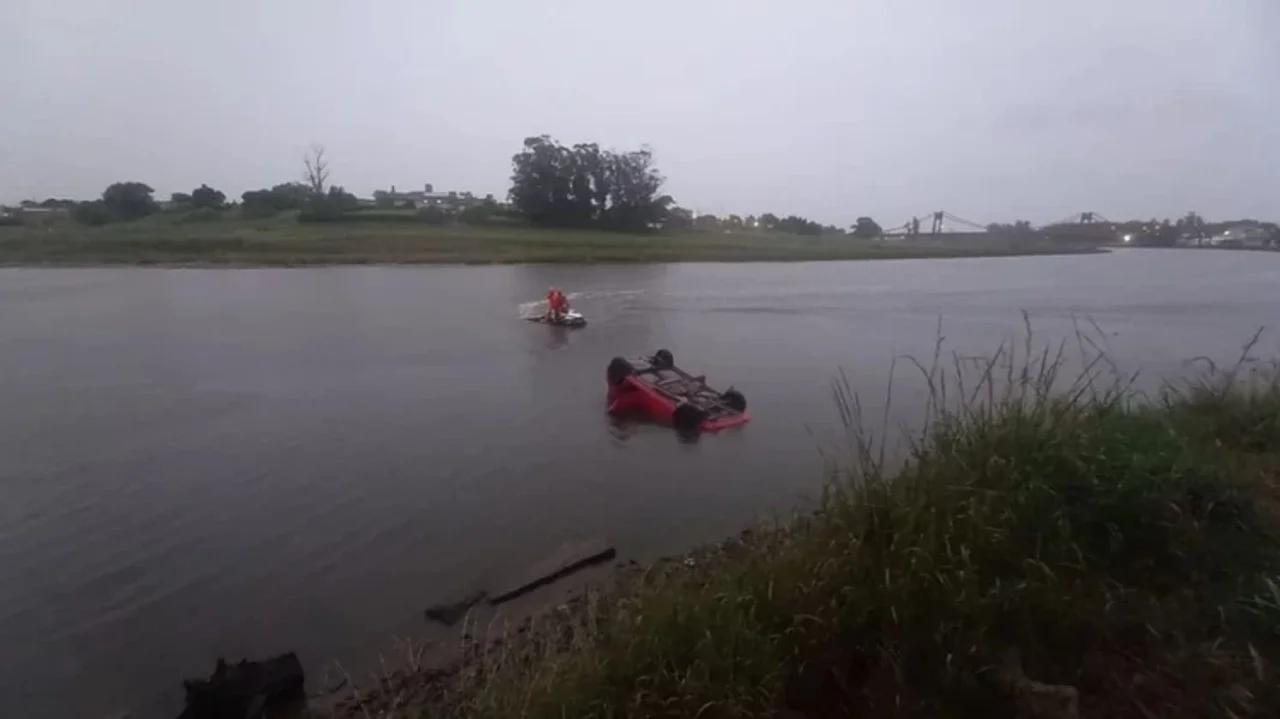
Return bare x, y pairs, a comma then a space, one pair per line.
243, 462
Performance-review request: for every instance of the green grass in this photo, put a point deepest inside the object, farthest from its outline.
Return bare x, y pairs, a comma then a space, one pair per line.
174, 239
1049, 542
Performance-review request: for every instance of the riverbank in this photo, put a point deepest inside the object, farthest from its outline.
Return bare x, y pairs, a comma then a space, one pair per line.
1053, 549
284, 242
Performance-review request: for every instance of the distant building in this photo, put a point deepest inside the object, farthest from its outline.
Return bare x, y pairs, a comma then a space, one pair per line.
428, 197
1245, 234
34, 214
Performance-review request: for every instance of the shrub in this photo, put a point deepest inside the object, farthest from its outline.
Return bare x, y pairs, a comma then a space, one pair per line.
255, 211
94, 213
433, 215
202, 214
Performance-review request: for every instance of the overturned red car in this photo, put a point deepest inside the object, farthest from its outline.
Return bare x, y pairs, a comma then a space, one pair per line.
655, 387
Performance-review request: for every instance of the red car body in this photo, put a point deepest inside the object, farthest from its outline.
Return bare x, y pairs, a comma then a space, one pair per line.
656, 388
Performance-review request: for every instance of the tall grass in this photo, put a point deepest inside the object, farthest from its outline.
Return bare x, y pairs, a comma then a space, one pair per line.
1105, 546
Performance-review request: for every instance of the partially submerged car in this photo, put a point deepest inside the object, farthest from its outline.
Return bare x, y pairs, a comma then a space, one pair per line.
655, 387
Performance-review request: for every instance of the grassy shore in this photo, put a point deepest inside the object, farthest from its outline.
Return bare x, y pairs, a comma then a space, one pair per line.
1051, 549
168, 240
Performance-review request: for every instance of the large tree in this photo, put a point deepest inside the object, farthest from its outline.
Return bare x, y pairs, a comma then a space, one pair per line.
866, 228
289, 195
583, 186
798, 225
205, 196
317, 170
129, 200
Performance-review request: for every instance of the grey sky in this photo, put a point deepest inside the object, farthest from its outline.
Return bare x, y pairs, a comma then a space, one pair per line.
992, 109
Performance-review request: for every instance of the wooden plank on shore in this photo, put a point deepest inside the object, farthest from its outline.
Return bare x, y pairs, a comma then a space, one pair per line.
569, 558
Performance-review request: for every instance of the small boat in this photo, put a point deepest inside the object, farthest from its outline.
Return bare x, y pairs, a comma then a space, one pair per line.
570, 318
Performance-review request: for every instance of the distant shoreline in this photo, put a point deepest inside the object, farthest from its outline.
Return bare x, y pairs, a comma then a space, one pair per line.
283, 242
374, 262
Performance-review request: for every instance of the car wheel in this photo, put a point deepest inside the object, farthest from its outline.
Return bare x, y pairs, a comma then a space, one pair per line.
619, 369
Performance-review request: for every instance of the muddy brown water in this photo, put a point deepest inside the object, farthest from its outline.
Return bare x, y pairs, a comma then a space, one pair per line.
197, 463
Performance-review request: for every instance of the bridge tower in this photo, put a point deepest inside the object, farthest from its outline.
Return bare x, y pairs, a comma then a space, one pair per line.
937, 222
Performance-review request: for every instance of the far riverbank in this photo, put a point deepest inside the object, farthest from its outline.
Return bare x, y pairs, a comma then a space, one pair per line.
283, 242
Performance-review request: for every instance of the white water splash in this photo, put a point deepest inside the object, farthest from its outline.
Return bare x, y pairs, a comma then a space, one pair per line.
525, 310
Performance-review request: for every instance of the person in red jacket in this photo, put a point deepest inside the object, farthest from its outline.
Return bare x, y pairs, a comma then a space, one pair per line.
556, 304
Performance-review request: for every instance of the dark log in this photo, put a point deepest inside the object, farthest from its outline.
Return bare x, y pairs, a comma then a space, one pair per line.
244, 690
571, 557
449, 613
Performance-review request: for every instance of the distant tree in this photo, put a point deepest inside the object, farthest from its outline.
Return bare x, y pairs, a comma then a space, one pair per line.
329, 207
317, 170
433, 215
866, 228
479, 213
258, 204
180, 199
733, 222
768, 220
1018, 227
49, 203
582, 186
208, 198
337, 199
634, 202
256, 197
678, 218
93, 213
798, 225
289, 195
318, 200
707, 223
1193, 224
339, 196
129, 200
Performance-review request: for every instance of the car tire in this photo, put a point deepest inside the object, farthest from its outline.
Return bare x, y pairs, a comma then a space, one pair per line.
687, 418
735, 400
619, 370
663, 359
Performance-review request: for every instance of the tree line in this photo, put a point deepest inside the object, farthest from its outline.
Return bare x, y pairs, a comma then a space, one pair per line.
582, 185
552, 185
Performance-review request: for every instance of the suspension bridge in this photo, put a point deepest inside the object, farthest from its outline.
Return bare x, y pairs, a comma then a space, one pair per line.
1088, 223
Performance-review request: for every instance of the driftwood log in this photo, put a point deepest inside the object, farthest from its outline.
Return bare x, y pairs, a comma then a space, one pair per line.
244, 690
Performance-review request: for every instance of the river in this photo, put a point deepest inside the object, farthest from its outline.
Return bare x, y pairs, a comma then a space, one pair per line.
196, 463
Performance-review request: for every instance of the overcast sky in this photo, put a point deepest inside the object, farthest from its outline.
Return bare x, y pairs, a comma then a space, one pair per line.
991, 109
